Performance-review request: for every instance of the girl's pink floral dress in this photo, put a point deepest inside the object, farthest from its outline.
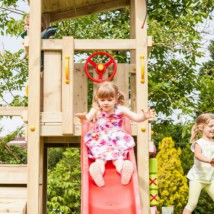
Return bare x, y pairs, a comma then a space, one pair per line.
108, 140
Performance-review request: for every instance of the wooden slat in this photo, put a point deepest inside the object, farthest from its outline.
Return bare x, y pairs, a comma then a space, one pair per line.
89, 8
12, 111
51, 117
80, 89
67, 89
63, 139
122, 80
16, 207
13, 174
13, 200
52, 82
10, 192
55, 130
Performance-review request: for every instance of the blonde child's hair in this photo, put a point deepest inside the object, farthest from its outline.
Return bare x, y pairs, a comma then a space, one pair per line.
44, 24
108, 90
198, 127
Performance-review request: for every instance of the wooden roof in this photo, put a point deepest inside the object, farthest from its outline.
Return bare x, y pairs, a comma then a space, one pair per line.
67, 9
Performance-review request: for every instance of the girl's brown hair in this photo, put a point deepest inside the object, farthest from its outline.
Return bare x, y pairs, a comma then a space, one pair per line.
198, 127
107, 90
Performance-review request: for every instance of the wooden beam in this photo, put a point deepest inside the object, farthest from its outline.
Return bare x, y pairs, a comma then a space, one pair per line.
86, 44
92, 44
89, 9
13, 174
12, 111
55, 129
142, 103
34, 107
63, 140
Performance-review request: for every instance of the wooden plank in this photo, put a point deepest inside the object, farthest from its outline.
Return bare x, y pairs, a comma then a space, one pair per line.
88, 9
92, 44
51, 117
52, 82
67, 88
104, 44
55, 130
122, 80
12, 110
34, 106
13, 174
86, 44
80, 89
142, 103
13, 192
17, 207
63, 139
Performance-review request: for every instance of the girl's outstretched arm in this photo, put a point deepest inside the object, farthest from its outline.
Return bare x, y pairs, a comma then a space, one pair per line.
138, 117
87, 116
199, 156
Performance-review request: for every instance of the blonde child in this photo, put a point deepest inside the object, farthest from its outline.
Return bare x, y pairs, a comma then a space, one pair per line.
108, 141
201, 175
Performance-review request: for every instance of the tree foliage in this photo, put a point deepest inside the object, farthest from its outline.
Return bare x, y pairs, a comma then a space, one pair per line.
64, 184
13, 77
173, 189
9, 25
12, 154
206, 84
173, 59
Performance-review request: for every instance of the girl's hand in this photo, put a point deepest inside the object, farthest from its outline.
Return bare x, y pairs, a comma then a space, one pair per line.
212, 162
81, 116
151, 113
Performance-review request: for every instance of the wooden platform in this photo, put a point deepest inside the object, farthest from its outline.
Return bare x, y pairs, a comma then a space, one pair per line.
13, 189
13, 200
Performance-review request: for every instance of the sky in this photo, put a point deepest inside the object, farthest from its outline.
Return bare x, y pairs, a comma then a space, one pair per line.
13, 44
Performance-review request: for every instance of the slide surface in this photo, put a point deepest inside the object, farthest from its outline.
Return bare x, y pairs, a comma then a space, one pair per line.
113, 198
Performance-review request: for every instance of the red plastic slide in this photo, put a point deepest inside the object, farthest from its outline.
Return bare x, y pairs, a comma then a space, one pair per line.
113, 198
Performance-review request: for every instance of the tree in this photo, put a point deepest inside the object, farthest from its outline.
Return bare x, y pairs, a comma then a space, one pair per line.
205, 84
173, 189
64, 184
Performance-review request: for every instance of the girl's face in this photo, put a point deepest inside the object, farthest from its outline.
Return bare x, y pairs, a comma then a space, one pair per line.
208, 131
107, 104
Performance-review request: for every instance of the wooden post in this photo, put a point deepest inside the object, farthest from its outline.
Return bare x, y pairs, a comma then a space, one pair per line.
142, 103
67, 85
34, 107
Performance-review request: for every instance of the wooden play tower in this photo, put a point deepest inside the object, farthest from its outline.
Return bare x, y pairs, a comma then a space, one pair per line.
60, 90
